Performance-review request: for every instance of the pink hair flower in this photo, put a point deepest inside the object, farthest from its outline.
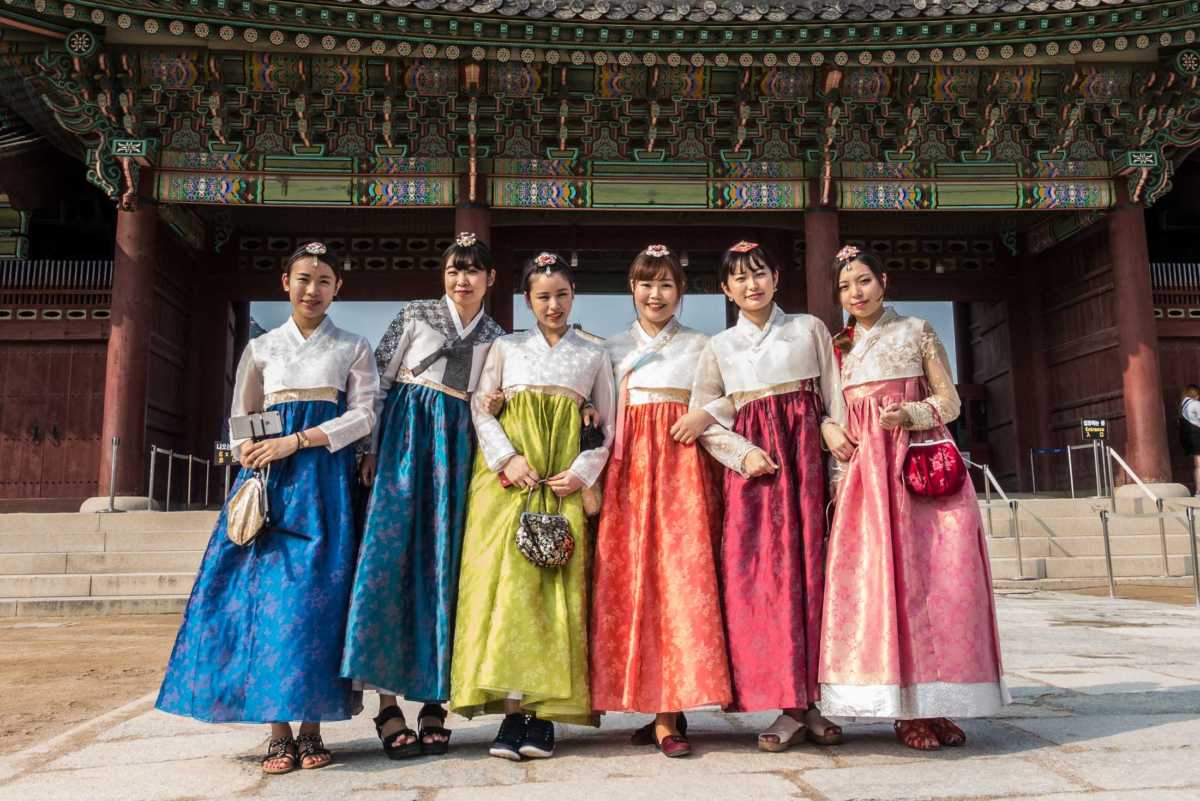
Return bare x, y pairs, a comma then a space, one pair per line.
744, 247
657, 251
847, 253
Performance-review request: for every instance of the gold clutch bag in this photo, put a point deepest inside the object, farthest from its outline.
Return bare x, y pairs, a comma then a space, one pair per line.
248, 511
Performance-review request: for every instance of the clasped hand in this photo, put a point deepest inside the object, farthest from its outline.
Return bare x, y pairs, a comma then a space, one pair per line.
262, 453
518, 471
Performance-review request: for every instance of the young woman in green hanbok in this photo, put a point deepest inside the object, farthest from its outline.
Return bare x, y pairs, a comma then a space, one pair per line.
521, 632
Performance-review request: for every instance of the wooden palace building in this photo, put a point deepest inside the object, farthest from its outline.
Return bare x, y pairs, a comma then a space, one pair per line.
1028, 160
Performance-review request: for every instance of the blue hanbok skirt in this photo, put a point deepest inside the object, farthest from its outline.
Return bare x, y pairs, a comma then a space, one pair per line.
261, 639
401, 626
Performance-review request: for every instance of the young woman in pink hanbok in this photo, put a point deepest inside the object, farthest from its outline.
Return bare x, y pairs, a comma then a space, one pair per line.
909, 630
771, 379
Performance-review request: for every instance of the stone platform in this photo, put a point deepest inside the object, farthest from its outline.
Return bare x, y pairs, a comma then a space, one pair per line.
1107, 708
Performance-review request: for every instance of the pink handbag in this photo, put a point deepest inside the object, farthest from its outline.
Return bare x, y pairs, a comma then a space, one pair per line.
934, 469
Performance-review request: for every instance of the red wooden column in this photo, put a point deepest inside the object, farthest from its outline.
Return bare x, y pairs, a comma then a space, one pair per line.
477, 218
125, 376
822, 240
1137, 344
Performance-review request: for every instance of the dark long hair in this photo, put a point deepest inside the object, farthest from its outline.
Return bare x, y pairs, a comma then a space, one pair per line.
844, 339
466, 252
327, 256
647, 268
558, 265
748, 256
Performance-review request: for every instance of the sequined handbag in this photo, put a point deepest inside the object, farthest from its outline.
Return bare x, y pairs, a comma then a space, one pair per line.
934, 469
544, 538
248, 510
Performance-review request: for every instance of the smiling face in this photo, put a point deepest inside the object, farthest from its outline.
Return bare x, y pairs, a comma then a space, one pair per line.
751, 286
467, 285
656, 299
860, 291
550, 298
311, 285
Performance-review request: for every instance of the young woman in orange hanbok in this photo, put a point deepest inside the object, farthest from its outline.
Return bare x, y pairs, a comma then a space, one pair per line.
909, 629
657, 643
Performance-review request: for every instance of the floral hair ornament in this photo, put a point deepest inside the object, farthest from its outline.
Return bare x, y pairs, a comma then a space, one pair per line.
657, 251
847, 254
545, 261
315, 249
744, 247
465, 239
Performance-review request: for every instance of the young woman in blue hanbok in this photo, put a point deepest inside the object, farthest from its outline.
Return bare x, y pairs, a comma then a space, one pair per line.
261, 639
401, 625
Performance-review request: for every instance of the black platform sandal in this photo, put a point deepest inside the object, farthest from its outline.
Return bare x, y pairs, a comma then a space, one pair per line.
404, 750
437, 747
312, 746
645, 735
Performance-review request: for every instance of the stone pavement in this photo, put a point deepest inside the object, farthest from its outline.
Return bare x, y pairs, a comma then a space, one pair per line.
1107, 708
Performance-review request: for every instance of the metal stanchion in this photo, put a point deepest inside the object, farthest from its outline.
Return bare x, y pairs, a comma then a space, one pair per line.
1014, 531
1191, 522
1112, 485
207, 480
191, 461
1033, 471
987, 494
1162, 535
150, 489
1108, 565
228, 472
1070, 473
170, 470
1096, 467
112, 477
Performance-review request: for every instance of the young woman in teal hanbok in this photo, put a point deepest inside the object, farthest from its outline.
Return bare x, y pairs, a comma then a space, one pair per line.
398, 638
261, 639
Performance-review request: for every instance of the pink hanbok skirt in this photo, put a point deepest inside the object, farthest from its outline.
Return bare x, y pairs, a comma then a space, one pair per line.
909, 627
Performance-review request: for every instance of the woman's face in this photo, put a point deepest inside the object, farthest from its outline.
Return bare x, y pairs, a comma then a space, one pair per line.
656, 299
311, 286
467, 287
860, 292
550, 298
752, 290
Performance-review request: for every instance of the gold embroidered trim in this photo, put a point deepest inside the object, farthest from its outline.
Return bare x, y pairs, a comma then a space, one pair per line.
643, 397
557, 392
405, 376
740, 399
295, 395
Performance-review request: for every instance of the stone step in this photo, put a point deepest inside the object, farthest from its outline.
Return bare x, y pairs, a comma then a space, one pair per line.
1135, 545
44, 585
117, 584
71, 606
77, 523
20, 564
135, 562
166, 539
1089, 567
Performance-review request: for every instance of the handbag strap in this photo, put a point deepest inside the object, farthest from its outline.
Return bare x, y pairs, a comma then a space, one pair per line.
529, 495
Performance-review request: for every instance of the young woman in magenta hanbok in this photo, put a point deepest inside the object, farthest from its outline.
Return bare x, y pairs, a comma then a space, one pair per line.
520, 641
657, 642
261, 639
401, 625
910, 627
772, 379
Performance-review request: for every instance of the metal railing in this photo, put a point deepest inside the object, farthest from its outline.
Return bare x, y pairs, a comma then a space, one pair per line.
1175, 283
1014, 519
1187, 516
55, 283
192, 461
1103, 485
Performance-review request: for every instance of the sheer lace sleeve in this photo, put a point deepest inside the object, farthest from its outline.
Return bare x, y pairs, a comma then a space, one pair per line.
728, 448
943, 405
493, 442
708, 389
362, 385
247, 392
590, 463
831, 377
388, 358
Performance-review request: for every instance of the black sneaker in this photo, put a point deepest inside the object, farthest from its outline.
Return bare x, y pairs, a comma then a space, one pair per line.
539, 739
510, 737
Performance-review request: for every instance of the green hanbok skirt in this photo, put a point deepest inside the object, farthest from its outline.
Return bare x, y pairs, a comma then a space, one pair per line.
522, 631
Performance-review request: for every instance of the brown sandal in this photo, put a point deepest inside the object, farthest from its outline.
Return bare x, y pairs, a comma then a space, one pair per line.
829, 733
917, 734
281, 748
947, 732
311, 746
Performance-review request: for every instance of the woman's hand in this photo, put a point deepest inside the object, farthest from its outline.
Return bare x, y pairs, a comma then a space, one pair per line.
757, 463
838, 440
688, 428
590, 415
495, 402
893, 416
565, 483
366, 469
262, 453
518, 471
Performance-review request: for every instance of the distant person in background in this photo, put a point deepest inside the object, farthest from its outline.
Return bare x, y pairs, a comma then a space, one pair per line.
1189, 430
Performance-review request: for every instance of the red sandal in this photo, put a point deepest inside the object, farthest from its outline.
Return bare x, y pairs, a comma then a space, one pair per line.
917, 734
947, 732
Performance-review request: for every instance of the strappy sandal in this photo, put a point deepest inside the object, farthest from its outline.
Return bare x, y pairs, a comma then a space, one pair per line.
281, 748
403, 750
786, 730
947, 732
645, 735
917, 734
436, 747
311, 746
831, 734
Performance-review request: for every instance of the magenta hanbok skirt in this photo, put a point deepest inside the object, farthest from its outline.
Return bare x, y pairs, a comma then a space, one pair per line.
909, 629
772, 557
